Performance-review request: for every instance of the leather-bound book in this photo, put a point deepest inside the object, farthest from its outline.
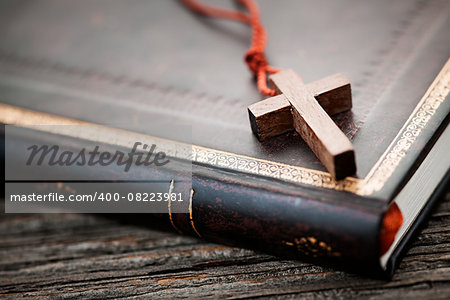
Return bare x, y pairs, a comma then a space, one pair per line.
128, 64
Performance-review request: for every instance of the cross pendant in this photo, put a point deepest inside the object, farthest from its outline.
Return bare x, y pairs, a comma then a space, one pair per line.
304, 108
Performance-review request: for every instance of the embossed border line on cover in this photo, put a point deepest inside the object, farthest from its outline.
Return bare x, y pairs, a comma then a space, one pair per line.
373, 182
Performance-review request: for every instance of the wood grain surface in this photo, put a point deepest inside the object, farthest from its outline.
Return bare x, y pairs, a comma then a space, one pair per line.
270, 117
75, 255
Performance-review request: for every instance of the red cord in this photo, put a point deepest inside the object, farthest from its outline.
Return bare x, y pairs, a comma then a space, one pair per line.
254, 57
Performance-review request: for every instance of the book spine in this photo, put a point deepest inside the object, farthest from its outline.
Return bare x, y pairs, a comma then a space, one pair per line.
331, 228
304, 225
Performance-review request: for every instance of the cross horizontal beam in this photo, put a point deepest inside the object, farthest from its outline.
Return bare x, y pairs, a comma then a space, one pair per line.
272, 116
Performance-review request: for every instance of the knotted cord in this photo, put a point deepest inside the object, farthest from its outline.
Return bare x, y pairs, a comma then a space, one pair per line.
254, 57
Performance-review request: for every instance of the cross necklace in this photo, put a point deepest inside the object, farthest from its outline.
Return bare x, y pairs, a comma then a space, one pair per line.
293, 104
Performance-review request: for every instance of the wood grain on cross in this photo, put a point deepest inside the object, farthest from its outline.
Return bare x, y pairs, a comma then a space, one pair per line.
304, 108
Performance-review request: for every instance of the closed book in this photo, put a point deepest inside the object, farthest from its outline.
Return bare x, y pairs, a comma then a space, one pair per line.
127, 65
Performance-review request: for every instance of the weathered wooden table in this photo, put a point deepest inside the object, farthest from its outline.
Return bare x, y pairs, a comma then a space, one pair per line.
75, 255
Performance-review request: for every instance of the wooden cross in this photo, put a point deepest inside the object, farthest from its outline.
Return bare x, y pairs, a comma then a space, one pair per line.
304, 108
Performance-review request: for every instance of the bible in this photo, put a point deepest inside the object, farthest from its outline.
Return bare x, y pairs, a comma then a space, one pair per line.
122, 69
